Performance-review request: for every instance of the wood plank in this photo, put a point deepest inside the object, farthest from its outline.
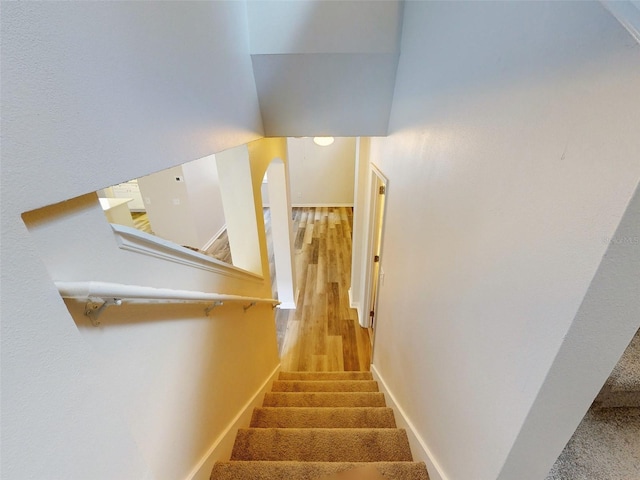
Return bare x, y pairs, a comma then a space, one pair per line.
308, 234
315, 251
320, 363
349, 346
319, 319
335, 359
333, 309
305, 341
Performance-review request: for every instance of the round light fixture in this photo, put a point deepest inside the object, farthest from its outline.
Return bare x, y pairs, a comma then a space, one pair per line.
323, 141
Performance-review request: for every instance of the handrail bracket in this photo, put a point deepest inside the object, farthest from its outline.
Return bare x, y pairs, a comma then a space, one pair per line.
95, 306
208, 310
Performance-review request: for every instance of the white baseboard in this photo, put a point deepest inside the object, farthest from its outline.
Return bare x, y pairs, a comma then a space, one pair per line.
419, 448
208, 245
356, 306
221, 448
321, 205
287, 306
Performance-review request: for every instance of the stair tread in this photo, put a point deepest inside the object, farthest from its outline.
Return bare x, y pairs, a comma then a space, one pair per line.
324, 399
322, 444
325, 376
262, 470
323, 417
324, 386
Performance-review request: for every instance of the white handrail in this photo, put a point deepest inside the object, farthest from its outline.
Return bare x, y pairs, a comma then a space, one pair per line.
100, 295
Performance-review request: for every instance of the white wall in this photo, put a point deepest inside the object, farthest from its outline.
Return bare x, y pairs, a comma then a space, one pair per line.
94, 94
513, 153
321, 175
203, 186
188, 211
168, 206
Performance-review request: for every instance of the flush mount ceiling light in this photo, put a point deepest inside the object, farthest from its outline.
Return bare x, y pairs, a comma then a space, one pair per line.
323, 141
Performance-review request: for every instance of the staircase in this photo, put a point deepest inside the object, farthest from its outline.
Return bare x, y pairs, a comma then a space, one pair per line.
314, 425
606, 444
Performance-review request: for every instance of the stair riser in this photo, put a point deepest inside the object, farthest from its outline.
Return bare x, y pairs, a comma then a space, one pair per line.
322, 445
325, 376
312, 470
325, 386
318, 399
296, 417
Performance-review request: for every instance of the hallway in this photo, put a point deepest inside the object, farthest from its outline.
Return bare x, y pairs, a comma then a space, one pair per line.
322, 333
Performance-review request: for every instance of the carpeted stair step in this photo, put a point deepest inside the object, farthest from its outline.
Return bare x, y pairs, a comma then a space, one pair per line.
324, 386
324, 399
622, 389
327, 417
322, 445
325, 376
253, 470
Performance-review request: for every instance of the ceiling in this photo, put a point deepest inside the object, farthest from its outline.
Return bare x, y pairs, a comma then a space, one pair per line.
325, 67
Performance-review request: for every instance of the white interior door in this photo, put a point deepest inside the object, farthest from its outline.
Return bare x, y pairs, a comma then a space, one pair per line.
378, 195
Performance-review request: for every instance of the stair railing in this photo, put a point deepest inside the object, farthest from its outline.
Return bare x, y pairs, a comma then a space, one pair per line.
100, 295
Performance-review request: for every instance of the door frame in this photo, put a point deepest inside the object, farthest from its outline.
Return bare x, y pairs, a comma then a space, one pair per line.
376, 223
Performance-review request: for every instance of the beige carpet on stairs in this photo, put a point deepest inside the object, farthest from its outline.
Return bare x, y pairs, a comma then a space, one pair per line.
313, 425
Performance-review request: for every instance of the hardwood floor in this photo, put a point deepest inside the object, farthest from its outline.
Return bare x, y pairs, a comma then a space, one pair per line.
322, 333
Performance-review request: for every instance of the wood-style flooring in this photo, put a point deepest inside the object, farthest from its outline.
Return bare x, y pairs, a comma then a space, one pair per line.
322, 333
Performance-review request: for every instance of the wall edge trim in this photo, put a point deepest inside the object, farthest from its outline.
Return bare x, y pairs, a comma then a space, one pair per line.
356, 307
215, 236
627, 14
142, 243
322, 205
419, 448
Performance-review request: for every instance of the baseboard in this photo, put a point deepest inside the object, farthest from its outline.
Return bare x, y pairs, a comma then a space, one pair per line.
419, 448
221, 448
208, 245
320, 205
356, 306
287, 306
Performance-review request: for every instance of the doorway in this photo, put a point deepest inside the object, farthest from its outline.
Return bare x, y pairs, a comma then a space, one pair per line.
376, 222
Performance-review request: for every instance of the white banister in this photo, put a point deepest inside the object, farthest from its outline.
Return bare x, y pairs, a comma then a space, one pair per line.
99, 295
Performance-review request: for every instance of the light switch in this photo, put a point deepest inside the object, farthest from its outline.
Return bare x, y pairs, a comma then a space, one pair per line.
176, 201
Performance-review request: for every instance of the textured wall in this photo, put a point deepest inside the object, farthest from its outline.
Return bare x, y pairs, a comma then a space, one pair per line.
94, 94
322, 175
513, 153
